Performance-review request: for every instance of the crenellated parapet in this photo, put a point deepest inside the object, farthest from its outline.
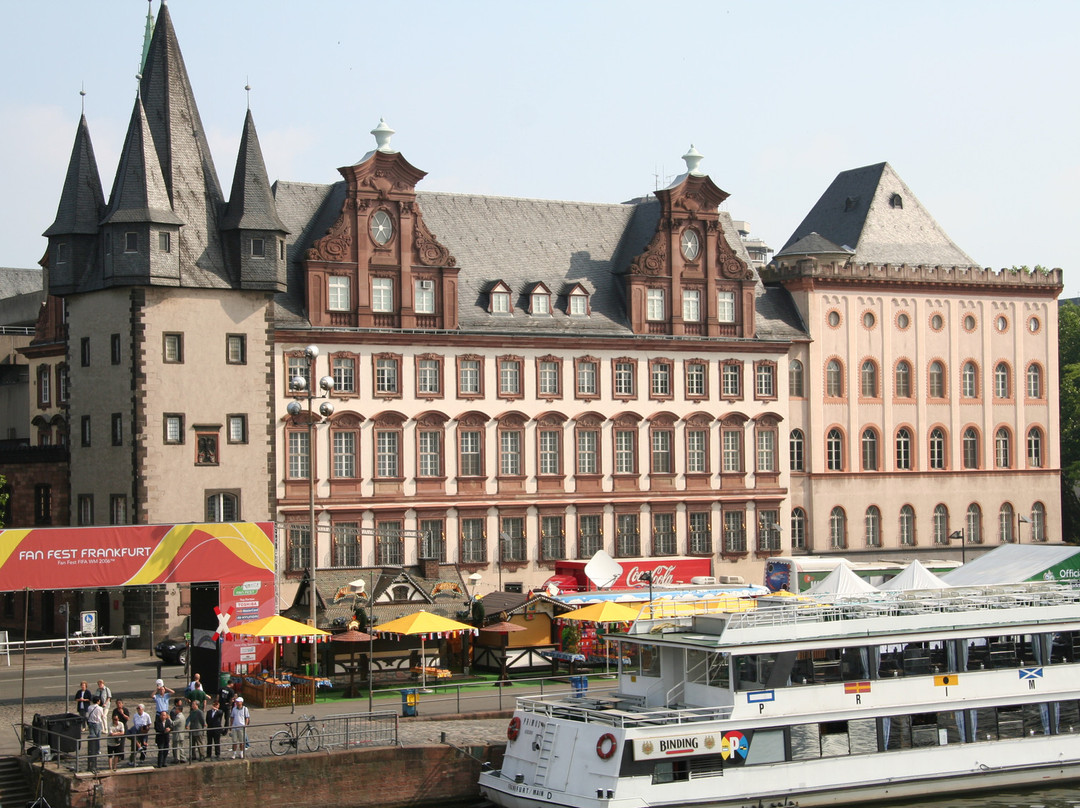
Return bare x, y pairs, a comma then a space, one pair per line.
810, 269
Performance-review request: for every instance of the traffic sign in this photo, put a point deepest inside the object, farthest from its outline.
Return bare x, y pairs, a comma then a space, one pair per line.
88, 620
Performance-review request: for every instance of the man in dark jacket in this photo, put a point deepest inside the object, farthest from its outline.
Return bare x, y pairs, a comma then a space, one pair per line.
162, 730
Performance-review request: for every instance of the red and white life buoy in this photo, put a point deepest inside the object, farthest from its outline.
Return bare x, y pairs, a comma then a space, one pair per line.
606, 746
514, 729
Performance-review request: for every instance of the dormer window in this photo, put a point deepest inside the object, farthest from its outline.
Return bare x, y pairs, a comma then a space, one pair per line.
131, 242
382, 227
63, 253
258, 248
164, 242
500, 298
896, 201
540, 300
579, 305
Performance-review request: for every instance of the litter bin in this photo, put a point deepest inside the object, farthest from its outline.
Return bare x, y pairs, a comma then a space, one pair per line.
580, 685
408, 702
63, 731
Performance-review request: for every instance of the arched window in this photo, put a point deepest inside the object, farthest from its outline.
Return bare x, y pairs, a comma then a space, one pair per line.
834, 450
834, 379
873, 526
222, 507
902, 381
936, 380
868, 379
903, 449
1034, 448
1001, 380
1002, 452
1034, 381
973, 524
941, 524
798, 448
837, 529
795, 379
907, 526
1006, 521
798, 529
969, 381
937, 448
1038, 522
869, 450
971, 448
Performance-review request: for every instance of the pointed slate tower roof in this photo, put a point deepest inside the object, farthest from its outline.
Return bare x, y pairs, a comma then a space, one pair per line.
184, 156
138, 192
251, 204
82, 200
871, 211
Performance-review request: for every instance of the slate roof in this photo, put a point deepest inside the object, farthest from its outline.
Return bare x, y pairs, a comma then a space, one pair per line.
856, 211
82, 200
138, 192
251, 203
15, 281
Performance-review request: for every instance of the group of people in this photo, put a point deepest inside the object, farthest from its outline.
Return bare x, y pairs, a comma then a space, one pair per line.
206, 726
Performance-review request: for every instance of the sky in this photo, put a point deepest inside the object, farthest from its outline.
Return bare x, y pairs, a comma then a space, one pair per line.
973, 102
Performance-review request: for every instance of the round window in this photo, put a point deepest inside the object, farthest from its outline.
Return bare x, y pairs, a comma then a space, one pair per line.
691, 245
1002, 323
937, 322
969, 323
868, 319
1033, 325
902, 321
834, 318
382, 227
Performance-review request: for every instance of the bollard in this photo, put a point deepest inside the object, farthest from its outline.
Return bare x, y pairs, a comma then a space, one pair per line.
123, 647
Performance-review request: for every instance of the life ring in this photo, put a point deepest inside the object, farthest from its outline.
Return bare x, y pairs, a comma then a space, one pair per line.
514, 729
606, 746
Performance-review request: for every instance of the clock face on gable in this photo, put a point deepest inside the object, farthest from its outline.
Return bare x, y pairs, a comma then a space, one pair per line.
382, 227
691, 245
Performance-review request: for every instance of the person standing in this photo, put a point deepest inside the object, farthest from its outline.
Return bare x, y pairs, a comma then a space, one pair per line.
116, 741
239, 721
162, 730
120, 713
215, 722
140, 723
176, 717
161, 697
95, 725
105, 695
196, 725
82, 700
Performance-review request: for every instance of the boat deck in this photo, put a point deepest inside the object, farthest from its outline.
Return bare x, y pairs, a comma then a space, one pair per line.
617, 710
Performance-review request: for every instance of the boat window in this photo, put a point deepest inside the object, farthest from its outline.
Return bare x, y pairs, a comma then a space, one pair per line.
648, 661
697, 668
767, 746
753, 670
719, 670
1065, 647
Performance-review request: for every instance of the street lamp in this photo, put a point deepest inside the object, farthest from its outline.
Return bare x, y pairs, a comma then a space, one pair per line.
1020, 520
67, 652
474, 584
299, 385
959, 534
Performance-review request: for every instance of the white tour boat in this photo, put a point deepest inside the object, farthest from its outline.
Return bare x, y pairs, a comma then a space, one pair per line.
805, 703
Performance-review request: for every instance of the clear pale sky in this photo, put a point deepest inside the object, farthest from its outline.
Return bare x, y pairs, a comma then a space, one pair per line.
973, 102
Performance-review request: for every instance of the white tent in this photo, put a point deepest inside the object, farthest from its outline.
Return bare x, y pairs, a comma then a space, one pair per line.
841, 581
914, 576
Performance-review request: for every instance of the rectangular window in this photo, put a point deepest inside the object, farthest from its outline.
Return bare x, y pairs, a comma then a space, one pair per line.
174, 428
424, 300
84, 351
695, 380
86, 509
343, 447
62, 383
258, 248
236, 349
552, 537
734, 532
662, 460
386, 376
42, 504
509, 377
298, 366
382, 295
548, 379
117, 429
766, 450
299, 536
433, 539
473, 541
691, 305
590, 538
172, 348
627, 535
131, 242
731, 379
624, 379
725, 307
206, 451
700, 533
512, 539
429, 448
114, 348
654, 305
343, 369
549, 451
625, 451
586, 379
346, 536
578, 305
468, 377
118, 509
769, 531
663, 538
732, 450
338, 293
428, 377
299, 455
387, 453
697, 443
470, 453
165, 242
44, 375
587, 446
236, 428
766, 381
510, 453
389, 548
660, 379
84, 430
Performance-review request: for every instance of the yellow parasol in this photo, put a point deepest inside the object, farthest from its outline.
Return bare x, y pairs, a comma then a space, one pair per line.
606, 612
278, 629
422, 624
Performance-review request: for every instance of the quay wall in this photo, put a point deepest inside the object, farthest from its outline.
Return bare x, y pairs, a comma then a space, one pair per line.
385, 777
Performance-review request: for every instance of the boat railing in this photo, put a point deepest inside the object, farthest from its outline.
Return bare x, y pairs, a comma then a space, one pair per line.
615, 710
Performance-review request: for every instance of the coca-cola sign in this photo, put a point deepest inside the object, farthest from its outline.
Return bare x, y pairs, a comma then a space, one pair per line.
662, 575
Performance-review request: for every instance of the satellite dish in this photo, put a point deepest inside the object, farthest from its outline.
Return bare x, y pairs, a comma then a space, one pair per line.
603, 570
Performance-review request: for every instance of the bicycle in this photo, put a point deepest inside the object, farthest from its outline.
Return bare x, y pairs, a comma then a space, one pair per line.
290, 739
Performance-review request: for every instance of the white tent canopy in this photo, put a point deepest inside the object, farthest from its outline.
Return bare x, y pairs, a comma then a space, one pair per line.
841, 581
914, 576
